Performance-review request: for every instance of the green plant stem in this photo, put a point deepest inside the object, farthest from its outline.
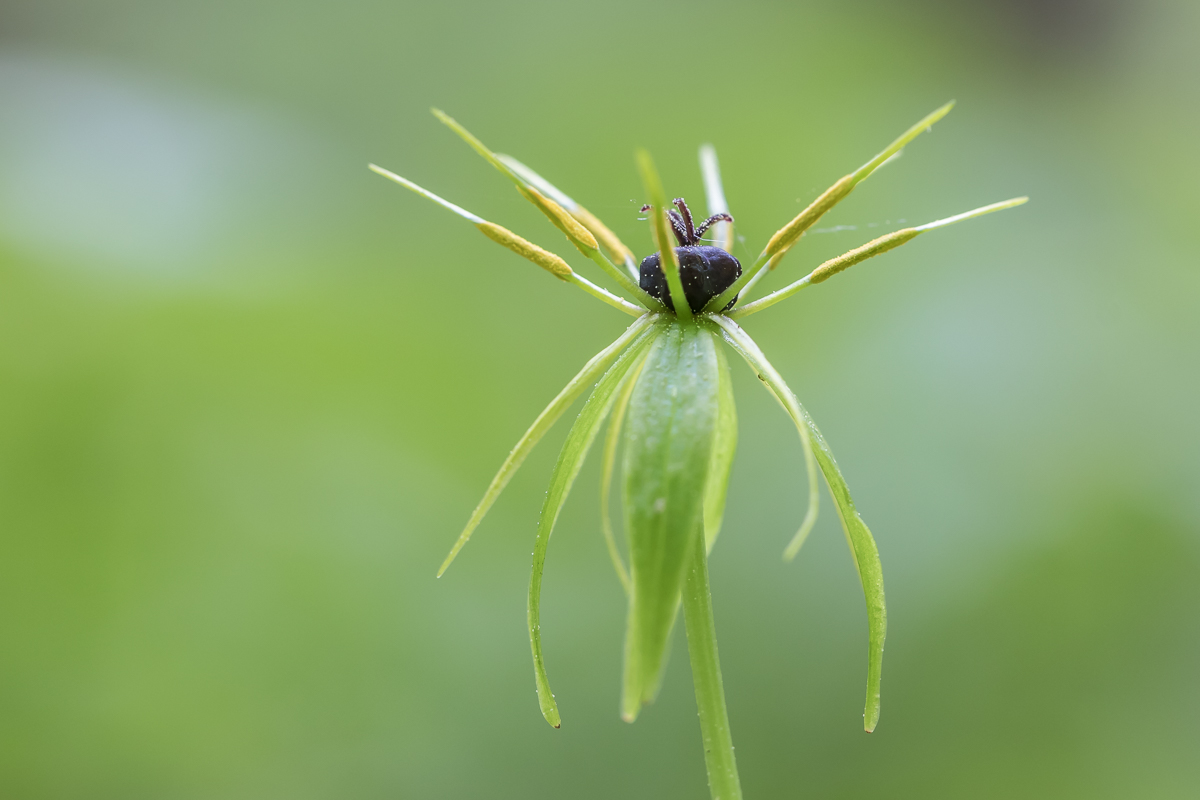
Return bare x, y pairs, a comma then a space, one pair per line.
723, 780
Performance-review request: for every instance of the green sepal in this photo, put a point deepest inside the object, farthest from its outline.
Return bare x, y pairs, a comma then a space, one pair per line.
550, 414
612, 441
862, 545
570, 459
669, 436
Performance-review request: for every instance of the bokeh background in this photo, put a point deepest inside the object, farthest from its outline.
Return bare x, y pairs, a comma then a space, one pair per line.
249, 392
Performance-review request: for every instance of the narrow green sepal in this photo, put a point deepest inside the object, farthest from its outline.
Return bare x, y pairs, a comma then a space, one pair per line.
550, 414
608, 464
570, 460
862, 545
724, 448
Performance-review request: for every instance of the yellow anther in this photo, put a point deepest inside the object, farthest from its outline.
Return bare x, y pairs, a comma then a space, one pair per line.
523, 247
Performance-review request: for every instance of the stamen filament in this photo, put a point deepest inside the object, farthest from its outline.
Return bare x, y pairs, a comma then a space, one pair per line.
873, 248
600, 292
608, 240
895, 147
771, 299
789, 234
548, 261
428, 195
762, 273
979, 212
573, 229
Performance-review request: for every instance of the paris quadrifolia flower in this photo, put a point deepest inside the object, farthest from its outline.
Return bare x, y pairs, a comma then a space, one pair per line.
664, 386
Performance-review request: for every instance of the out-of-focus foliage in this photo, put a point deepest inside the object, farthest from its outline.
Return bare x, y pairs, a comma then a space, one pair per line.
250, 392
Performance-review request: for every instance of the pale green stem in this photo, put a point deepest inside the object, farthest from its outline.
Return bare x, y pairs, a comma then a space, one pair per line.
719, 757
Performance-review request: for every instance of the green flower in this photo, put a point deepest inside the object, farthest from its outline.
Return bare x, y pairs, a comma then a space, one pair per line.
665, 384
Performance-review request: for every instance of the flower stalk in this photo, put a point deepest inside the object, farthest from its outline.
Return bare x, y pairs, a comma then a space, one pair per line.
719, 758
665, 383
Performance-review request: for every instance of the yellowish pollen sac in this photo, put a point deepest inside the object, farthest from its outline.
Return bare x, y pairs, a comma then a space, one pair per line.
617, 250
580, 236
787, 236
873, 248
523, 247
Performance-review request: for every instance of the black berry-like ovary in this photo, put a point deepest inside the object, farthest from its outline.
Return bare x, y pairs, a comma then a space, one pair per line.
704, 270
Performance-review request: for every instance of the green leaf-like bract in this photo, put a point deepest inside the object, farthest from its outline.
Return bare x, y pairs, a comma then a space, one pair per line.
669, 437
570, 459
862, 544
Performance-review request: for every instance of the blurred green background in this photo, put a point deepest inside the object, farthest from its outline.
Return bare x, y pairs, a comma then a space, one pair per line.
249, 393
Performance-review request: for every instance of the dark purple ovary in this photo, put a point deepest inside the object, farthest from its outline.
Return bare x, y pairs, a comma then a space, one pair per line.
705, 271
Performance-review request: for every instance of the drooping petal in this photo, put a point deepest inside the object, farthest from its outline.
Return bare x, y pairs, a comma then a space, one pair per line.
669, 434
590, 372
570, 459
862, 544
